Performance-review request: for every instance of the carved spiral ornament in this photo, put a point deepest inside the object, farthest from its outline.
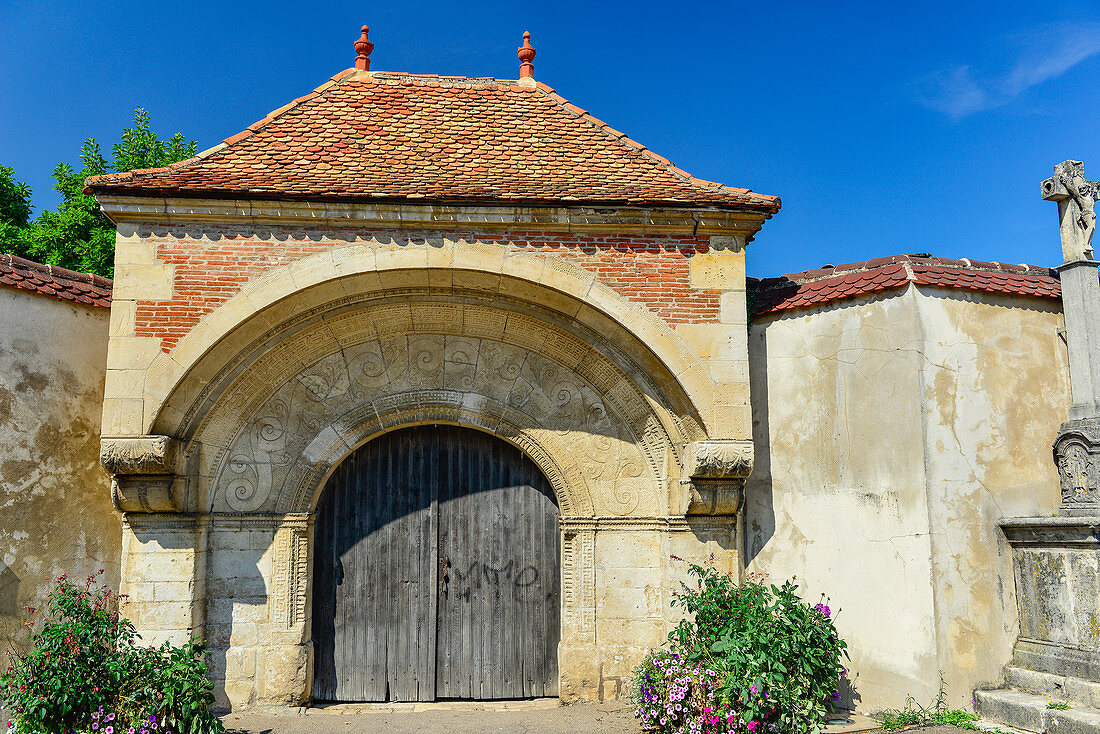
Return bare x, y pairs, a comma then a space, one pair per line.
277, 457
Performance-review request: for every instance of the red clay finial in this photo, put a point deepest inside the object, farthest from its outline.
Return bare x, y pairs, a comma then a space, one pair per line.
526, 55
363, 47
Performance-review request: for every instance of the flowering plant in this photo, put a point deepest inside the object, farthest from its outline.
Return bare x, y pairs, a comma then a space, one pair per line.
754, 658
85, 672
673, 695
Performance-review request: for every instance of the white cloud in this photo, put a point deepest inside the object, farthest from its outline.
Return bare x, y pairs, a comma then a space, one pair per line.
1043, 55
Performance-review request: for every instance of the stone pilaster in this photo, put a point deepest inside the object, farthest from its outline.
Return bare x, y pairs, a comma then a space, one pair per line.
164, 575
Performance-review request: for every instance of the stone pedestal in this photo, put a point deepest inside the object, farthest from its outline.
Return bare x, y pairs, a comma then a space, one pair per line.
1057, 568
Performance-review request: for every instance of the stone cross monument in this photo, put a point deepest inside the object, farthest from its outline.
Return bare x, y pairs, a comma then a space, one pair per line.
1055, 558
1077, 448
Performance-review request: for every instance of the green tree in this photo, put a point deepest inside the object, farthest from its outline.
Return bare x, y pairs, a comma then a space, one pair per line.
15, 208
77, 235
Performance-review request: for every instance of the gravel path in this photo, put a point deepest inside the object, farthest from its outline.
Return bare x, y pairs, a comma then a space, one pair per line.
529, 717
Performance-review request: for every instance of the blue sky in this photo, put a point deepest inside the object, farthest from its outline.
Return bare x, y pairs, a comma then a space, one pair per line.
886, 127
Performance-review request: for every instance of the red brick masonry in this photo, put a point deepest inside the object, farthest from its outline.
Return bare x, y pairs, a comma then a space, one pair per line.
210, 269
833, 283
54, 281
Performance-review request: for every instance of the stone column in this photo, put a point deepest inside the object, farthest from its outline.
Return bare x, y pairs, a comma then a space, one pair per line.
1077, 448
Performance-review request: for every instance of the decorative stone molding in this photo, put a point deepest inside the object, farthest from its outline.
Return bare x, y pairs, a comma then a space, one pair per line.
1052, 532
311, 396
716, 470
579, 586
143, 472
718, 459
290, 581
1077, 455
138, 454
745, 223
671, 524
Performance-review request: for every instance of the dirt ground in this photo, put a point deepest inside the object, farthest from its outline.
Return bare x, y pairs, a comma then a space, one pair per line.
524, 718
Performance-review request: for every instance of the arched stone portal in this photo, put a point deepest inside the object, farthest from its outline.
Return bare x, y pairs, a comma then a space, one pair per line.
258, 422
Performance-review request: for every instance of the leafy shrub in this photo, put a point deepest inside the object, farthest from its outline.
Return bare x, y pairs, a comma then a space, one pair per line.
755, 657
86, 672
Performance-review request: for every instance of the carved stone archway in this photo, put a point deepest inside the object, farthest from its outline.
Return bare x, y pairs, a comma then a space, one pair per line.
251, 430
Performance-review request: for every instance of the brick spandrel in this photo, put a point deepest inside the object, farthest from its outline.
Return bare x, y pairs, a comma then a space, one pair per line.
211, 268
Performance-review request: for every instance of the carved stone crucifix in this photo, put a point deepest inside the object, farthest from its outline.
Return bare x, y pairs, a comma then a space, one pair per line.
1076, 199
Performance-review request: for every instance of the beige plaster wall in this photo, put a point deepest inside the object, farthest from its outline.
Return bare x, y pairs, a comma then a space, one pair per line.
891, 434
55, 502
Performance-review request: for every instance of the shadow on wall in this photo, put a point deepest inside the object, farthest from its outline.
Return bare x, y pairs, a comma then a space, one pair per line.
759, 497
9, 592
759, 507
235, 602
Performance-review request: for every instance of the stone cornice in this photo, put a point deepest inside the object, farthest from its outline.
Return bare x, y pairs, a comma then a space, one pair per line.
667, 524
706, 221
1057, 531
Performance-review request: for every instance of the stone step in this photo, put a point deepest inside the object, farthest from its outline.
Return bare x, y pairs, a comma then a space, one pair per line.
1028, 711
1055, 687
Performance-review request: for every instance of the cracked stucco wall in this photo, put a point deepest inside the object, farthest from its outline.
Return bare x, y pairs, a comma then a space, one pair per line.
55, 504
892, 433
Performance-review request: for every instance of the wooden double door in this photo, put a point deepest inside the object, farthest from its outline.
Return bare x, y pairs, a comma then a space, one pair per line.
436, 572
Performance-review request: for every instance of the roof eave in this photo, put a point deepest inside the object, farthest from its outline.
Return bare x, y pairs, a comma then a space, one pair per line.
506, 214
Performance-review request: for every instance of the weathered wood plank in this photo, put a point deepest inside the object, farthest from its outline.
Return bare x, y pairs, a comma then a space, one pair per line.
436, 571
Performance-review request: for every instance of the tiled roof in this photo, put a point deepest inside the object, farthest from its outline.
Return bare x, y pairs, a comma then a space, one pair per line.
54, 281
379, 136
833, 283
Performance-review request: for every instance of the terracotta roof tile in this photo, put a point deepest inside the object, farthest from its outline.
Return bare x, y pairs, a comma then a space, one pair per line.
384, 136
829, 283
54, 281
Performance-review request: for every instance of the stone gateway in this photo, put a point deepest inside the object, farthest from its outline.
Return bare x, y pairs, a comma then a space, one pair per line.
416, 387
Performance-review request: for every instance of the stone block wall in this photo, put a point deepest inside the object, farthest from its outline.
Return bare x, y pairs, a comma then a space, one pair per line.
604, 350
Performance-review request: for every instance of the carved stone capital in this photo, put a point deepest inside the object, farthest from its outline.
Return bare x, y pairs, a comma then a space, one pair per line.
1077, 456
718, 459
143, 472
716, 470
138, 454
145, 493
707, 497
